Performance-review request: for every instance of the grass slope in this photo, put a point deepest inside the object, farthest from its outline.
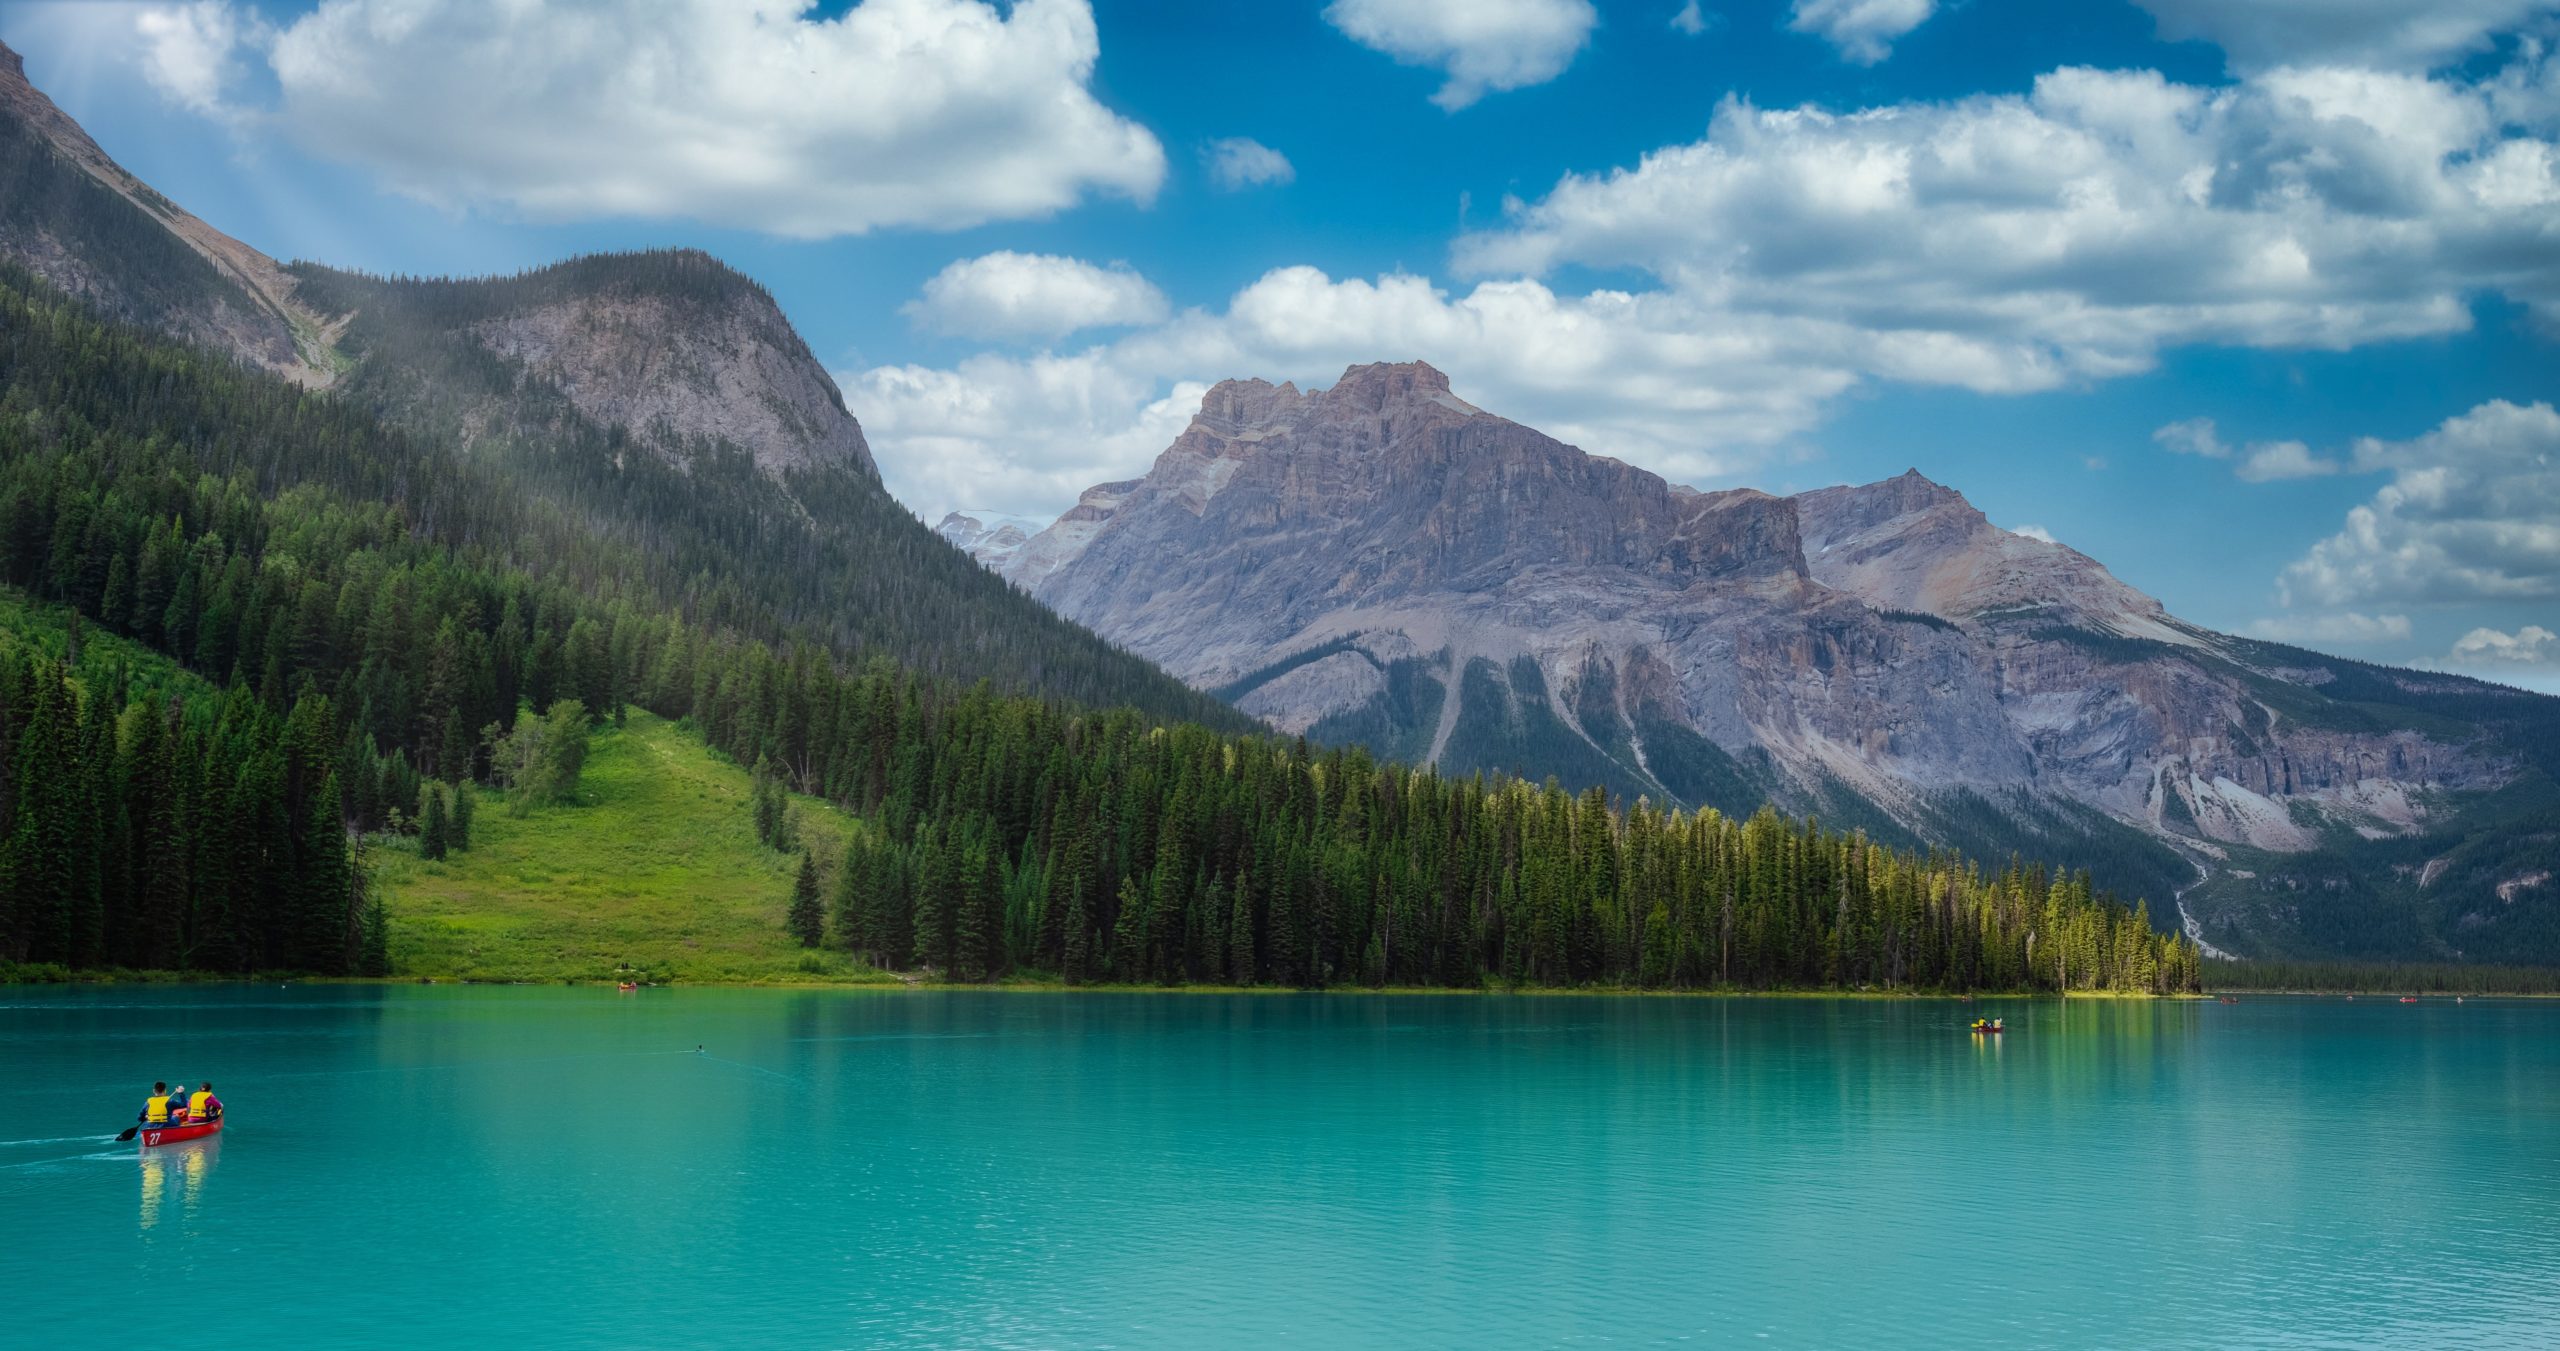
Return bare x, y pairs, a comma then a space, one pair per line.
655, 866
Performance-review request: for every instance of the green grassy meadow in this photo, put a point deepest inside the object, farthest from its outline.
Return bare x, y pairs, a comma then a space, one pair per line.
654, 869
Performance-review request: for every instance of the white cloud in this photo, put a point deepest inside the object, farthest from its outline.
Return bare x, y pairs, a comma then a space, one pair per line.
2193, 436
2266, 460
2035, 532
1237, 162
2472, 513
191, 53
1863, 30
1033, 295
2273, 460
938, 114
1484, 46
2531, 647
1021, 436
2343, 629
2075, 231
1689, 19
2398, 34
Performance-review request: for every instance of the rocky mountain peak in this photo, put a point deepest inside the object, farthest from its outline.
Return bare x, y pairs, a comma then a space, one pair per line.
1906, 543
1373, 387
11, 63
1232, 407
672, 345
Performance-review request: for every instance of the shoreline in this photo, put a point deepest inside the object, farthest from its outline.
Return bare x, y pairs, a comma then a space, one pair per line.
893, 982
896, 984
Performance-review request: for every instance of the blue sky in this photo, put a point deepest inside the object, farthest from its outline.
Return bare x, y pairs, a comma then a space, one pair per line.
2252, 300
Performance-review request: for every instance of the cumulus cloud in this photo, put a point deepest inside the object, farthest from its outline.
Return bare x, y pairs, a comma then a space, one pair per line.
2532, 647
1237, 162
2399, 34
1020, 436
2193, 436
1033, 295
938, 114
1863, 30
2343, 629
2472, 513
192, 53
1484, 46
2266, 460
1689, 19
2272, 460
2075, 231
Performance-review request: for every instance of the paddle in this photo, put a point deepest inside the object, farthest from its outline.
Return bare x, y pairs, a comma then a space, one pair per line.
129, 1133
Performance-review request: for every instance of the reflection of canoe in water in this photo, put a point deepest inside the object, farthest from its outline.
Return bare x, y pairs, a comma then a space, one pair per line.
180, 1134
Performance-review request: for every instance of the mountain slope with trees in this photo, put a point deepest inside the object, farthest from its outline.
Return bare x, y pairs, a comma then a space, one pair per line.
355, 622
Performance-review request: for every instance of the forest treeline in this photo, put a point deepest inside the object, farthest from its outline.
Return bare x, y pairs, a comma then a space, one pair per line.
2484, 978
349, 647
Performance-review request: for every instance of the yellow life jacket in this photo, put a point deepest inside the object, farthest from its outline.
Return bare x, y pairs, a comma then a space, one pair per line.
196, 1105
156, 1110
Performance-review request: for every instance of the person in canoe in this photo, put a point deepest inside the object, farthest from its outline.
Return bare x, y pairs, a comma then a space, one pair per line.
160, 1108
202, 1105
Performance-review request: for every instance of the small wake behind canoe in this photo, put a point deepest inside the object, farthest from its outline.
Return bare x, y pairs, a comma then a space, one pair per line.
180, 1133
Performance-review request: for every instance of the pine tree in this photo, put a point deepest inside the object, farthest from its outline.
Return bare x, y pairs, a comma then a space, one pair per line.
808, 918
1077, 965
980, 940
849, 903
935, 920
431, 818
1241, 967
317, 938
1129, 934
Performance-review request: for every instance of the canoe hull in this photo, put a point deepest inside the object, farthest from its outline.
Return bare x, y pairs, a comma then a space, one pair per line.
178, 1135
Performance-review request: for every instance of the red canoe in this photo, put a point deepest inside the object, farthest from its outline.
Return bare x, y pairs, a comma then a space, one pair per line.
180, 1134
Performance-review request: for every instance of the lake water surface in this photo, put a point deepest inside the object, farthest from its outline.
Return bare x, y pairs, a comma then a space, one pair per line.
518, 1167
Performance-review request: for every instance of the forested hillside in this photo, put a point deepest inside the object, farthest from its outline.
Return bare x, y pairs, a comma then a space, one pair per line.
362, 612
780, 545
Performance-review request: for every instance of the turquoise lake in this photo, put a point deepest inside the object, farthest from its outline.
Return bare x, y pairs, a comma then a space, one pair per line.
560, 1167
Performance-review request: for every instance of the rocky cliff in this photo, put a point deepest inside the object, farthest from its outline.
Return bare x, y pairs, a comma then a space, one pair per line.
1383, 562
73, 216
671, 349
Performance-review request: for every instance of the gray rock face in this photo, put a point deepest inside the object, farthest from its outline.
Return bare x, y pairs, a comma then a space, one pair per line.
675, 371
1383, 562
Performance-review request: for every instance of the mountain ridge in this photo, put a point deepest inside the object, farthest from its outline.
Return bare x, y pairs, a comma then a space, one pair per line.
245, 303
1384, 562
